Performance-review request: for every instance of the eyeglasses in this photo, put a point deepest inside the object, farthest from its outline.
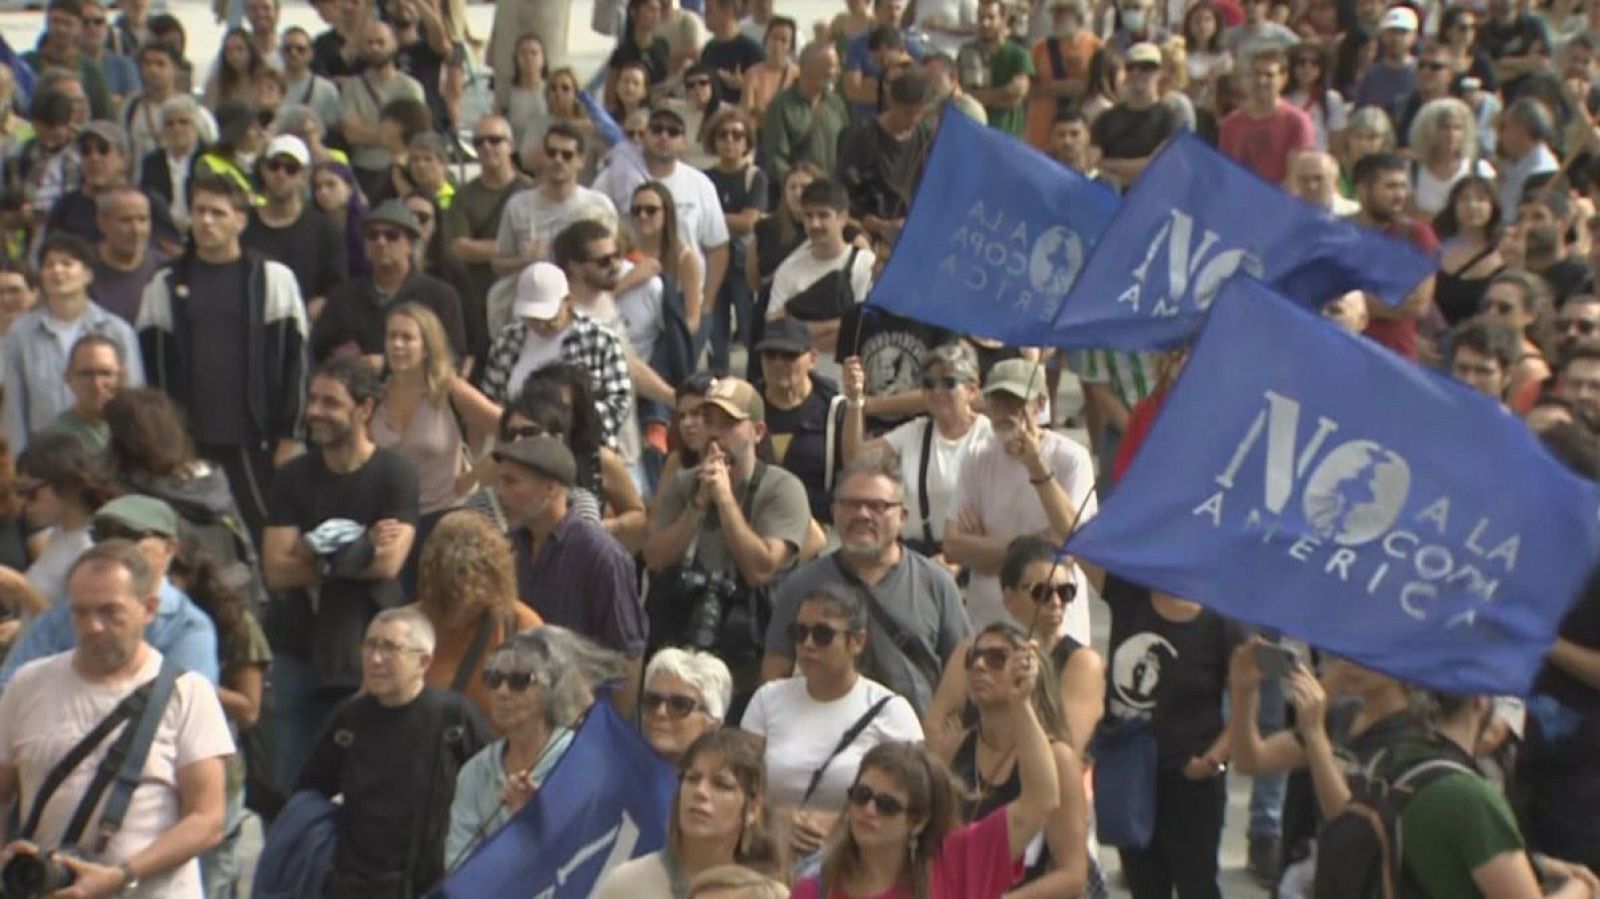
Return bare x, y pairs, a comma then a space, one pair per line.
663, 129
643, 212
731, 134
875, 506
994, 658
101, 531
563, 155
607, 260
693, 83
489, 140
861, 795
385, 235
1581, 325
1500, 307
677, 705
518, 681
386, 648
1043, 593
283, 164
821, 635
947, 382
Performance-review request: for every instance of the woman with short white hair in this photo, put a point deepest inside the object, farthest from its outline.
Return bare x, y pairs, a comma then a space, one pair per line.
1444, 137
686, 693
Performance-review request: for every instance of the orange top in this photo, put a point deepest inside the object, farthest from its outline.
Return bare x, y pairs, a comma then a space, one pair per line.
452, 646
1042, 110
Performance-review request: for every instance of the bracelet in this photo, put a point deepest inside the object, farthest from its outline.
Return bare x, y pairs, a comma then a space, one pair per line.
1041, 480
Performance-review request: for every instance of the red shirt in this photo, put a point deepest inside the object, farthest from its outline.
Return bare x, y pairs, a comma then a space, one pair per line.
1400, 334
1140, 419
1263, 145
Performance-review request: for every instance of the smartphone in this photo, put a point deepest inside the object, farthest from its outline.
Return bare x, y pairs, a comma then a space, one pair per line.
1275, 660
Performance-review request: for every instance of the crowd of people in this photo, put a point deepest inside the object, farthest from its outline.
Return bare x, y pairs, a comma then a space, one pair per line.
338, 475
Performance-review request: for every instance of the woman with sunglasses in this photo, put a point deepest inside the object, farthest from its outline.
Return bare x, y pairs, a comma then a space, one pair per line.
817, 725
540, 682
986, 760
729, 138
686, 695
930, 447
1458, 34
720, 816
902, 833
1036, 586
656, 243
61, 485
1309, 90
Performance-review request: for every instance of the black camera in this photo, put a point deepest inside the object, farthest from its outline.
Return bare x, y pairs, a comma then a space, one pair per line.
710, 593
30, 876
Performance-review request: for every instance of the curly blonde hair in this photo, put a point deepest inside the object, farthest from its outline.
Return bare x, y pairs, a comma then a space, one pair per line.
465, 568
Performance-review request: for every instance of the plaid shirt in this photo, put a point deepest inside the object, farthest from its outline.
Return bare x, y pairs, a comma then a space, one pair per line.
587, 345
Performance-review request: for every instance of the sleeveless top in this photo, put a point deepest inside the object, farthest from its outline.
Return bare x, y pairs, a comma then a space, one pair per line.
432, 444
1459, 298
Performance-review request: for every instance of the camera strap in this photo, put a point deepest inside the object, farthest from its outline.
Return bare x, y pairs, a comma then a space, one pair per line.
123, 767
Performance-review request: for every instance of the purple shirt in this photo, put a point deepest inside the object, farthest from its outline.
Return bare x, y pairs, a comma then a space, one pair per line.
581, 578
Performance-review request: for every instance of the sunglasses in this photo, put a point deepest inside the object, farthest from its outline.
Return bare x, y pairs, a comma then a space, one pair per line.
862, 795
662, 129
676, 704
518, 681
286, 166
820, 635
607, 260
489, 140
875, 506
994, 658
1043, 593
1581, 325
640, 212
563, 155
385, 235
946, 382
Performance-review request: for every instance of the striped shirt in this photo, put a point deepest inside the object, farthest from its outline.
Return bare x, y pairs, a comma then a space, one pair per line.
1131, 375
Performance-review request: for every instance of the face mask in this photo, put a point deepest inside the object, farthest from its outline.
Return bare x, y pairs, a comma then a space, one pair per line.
1133, 19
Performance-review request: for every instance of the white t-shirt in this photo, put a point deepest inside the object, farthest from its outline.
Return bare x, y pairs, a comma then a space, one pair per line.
802, 269
948, 12
635, 878
945, 458
801, 732
638, 312
48, 573
700, 221
537, 352
49, 707
529, 214
1431, 192
995, 487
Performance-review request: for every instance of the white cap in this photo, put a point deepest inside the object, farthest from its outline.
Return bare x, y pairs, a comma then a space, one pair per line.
540, 289
1399, 18
290, 146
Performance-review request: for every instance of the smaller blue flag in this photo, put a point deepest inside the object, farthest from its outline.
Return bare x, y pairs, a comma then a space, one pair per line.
995, 236
1305, 479
1192, 220
606, 801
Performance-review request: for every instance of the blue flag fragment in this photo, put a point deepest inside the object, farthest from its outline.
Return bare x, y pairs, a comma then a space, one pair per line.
995, 236
607, 800
1194, 219
1305, 479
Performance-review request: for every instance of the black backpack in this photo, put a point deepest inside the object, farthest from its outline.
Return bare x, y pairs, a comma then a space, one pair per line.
1359, 850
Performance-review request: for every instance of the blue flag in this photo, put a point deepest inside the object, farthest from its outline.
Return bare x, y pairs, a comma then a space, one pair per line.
995, 236
1305, 479
607, 800
1191, 221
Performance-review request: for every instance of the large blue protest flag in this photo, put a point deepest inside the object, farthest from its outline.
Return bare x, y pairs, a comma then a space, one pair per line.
995, 236
1191, 221
1303, 478
607, 800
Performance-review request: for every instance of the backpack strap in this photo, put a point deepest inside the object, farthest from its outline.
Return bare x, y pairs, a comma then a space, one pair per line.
922, 483
849, 736
131, 706
916, 652
469, 659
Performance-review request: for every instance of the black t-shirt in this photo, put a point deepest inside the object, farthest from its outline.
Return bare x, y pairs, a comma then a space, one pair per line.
739, 191
305, 247
735, 55
327, 57
657, 58
219, 317
799, 443
355, 314
304, 494
1124, 133
892, 349
879, 171
1567, 277
1302, 818
396, 768
422, 62
1172, 672
75, 213
1519, 37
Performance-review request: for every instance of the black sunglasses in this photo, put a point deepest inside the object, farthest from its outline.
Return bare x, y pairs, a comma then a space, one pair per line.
286, 166
518, 681
607, 260
993, 658
662, 129
676, 704
861, 794
1042, 593
820, 634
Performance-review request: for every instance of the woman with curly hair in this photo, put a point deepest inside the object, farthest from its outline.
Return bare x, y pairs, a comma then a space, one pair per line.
467, 588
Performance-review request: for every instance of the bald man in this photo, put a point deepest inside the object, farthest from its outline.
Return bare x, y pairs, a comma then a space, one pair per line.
1314, 177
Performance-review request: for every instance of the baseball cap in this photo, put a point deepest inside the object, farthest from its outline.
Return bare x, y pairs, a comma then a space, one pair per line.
738, 398
397, 213
540, 289
1018, 377
140, 514
1399, 18
784, 335
290, 146
1144, 53
546, 456
110, 132
667, 108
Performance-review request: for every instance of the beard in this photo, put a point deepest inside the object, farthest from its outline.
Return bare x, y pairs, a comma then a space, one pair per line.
376, 60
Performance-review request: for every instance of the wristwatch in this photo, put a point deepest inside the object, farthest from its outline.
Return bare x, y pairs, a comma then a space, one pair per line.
130, 880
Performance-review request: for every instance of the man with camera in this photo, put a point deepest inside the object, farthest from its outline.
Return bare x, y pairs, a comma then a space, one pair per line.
721, 533
569, 569
110, 810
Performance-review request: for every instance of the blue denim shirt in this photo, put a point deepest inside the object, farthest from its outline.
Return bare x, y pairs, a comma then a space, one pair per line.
180, 631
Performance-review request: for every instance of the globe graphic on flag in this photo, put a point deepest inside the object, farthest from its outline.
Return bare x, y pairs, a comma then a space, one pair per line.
1053, 266
1356, 493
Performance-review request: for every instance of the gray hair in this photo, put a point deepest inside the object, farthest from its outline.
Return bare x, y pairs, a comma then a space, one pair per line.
881, 462
122, 554
957, 357
706, 673
1424, 133
182, 104
1534, 117
421, 629
1371, 118
565, 664
294, 118
840, 602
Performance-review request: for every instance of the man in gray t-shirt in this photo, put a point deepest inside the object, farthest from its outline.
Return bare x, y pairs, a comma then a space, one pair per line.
917, 617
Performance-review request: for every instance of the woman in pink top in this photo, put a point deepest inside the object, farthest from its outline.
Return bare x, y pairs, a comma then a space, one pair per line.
902, 837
